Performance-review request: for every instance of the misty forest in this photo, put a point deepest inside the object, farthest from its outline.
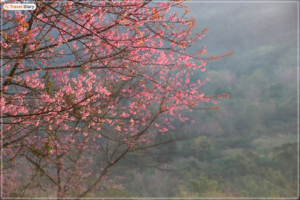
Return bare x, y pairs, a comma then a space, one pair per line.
248, 147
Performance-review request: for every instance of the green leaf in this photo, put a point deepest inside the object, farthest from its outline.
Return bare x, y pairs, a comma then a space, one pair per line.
82, 71
47, 147
36, 152
49, 84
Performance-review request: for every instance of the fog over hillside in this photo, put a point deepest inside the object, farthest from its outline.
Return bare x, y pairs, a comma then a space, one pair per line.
248, 148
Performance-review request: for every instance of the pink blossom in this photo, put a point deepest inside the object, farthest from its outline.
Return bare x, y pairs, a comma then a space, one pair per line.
7, 127
4, 45
45, 97
35, 123
172, 18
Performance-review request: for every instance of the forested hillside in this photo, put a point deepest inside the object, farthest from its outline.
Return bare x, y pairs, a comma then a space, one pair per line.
248, 147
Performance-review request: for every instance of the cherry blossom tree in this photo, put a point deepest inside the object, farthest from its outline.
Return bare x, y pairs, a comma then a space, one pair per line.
84, 85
